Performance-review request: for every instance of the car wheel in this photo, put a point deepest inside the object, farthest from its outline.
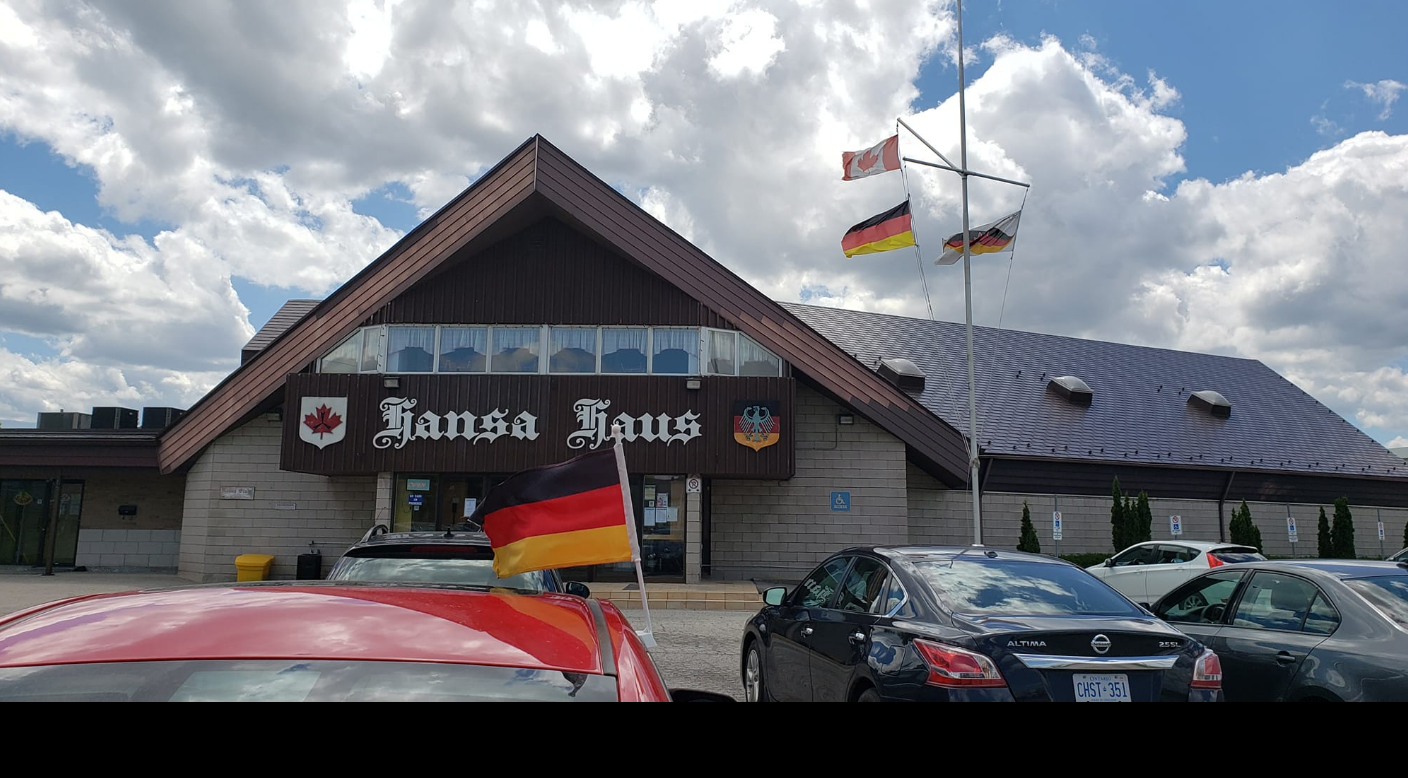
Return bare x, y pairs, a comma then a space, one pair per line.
869, 695
754, 688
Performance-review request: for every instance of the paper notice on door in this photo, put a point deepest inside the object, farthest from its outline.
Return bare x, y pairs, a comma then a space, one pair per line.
470, 504
670, 515
650, 492
662, 500
650, 517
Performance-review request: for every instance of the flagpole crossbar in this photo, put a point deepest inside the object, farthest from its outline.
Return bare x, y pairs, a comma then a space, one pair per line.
965, 172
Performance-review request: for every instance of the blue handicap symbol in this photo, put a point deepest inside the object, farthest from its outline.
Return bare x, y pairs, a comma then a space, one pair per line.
840, 501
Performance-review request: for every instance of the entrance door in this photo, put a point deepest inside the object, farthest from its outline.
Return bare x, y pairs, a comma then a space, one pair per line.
659, 516
24, 520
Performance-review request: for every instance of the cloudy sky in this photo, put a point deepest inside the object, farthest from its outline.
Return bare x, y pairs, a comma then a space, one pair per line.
1217, 177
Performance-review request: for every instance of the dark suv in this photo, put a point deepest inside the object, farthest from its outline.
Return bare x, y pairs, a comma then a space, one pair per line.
458, 556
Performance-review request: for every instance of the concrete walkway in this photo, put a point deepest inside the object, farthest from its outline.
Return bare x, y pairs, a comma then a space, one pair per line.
20, 591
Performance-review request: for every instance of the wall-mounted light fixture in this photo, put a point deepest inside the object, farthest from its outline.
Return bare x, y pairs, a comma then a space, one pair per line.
692, 383
845, 418
391, 382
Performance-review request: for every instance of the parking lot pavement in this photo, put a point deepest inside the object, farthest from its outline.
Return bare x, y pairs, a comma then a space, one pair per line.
697, 649
22, 590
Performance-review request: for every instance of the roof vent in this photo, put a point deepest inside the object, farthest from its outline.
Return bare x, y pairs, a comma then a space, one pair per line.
1076, 391
1212, 402
902, 373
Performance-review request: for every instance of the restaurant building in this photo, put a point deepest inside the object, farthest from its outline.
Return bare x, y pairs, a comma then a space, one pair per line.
515, 326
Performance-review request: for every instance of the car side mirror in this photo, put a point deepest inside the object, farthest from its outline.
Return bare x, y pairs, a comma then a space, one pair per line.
775, 595
1146, 606
1109, 563
694, 695
577, 589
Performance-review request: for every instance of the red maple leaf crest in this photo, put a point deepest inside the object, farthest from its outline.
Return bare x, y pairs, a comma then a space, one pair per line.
322, 421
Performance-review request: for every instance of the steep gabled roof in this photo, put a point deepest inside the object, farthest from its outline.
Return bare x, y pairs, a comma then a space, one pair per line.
538, 178
1140, 411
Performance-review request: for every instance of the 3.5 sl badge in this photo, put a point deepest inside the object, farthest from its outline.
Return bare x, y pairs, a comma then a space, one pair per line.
321, 420
756, 423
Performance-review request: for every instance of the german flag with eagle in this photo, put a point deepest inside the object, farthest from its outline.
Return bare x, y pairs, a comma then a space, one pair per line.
988, 239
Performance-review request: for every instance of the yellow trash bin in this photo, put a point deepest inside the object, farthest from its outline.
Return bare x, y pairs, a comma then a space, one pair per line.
253, 567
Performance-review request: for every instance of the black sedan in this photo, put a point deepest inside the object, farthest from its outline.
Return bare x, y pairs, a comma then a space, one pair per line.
1313, 630
934, 623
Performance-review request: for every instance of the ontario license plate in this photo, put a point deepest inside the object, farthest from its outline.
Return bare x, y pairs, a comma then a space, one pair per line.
1102, 688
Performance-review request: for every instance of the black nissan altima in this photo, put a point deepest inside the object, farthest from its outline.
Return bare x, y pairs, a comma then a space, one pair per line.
933, 623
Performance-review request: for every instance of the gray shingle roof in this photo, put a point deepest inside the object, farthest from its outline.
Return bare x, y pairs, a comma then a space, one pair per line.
1140, 411
285, 317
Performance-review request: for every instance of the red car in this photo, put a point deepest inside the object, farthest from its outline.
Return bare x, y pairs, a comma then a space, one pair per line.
317, 642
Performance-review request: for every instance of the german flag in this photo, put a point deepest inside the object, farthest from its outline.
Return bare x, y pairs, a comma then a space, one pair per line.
883, 232
566, 515
987, 239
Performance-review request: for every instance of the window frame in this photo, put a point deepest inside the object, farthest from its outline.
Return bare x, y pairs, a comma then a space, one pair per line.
884, 571
1242, 577
703, 340
1230, 616
796, 599
547, 357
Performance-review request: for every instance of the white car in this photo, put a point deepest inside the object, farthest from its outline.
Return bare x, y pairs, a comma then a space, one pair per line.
1147, 571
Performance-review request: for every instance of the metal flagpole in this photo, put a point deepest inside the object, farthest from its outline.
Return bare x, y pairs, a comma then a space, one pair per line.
968, 294
648, 636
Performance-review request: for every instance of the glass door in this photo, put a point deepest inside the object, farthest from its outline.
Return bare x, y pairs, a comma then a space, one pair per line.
24, 521
661, 526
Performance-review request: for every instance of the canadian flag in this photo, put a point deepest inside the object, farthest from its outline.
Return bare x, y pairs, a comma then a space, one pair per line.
882, 157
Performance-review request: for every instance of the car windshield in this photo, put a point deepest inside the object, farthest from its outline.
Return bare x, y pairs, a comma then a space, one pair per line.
1237, 554
297, 680
431, 567
1020, 588
1388, 593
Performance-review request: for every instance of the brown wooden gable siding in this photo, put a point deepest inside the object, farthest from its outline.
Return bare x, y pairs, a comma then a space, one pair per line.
599, 208
549, 273
420, 252
585, 201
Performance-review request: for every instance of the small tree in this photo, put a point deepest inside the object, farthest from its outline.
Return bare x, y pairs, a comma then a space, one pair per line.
1139, 522
1342, 531
1117, 535
1325, 546
1405, 535
1243, 531
1029, 542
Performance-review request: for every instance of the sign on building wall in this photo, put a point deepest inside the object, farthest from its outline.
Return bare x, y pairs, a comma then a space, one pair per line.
352, 424
840, 501
237, 492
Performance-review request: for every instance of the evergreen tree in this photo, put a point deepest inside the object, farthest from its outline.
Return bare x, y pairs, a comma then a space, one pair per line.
1322, 537
1029, 541
1405, 535
1241, 528
1139, 521
1342, 531
1117, 535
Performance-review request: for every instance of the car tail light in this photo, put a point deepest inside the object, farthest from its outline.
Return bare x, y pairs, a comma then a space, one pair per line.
955, 668
1207, 671
1213, 561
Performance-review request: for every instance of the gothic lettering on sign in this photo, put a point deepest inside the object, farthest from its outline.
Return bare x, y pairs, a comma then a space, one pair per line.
402, 426
594, 429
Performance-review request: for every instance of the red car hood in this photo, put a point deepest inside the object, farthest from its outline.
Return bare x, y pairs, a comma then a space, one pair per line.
547, 631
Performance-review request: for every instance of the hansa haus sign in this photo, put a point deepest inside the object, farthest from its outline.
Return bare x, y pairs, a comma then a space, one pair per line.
354, 424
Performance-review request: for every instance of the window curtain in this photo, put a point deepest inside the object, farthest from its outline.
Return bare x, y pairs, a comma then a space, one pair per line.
754, 360
410, 349
623, 350
676, 352
462, 349
573, 350
515, 350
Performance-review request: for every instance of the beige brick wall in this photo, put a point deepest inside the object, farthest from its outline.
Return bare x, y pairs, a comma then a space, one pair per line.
942, 516
331, 512
778, 530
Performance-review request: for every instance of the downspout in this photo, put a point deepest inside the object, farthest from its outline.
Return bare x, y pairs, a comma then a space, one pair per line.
1221, 523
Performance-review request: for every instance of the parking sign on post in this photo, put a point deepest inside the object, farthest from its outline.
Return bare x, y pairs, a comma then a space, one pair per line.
1055, 525
1291, 529
1175, 525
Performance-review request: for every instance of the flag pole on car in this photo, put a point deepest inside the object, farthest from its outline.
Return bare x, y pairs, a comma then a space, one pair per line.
572, 514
